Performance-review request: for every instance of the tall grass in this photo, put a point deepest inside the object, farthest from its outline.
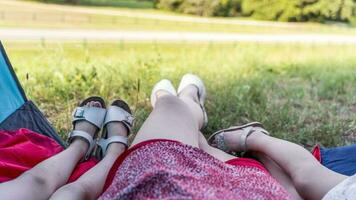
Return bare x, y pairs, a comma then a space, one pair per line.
303, 93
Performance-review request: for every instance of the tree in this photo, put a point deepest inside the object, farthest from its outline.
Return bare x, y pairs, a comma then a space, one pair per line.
281, 10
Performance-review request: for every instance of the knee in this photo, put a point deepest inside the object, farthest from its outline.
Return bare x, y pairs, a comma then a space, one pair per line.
70, 191
172, 104
300, 182
203, 144
84, 190
37, 179
169, 101
303, 179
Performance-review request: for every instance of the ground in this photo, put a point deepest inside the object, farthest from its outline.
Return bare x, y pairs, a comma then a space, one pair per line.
301, 92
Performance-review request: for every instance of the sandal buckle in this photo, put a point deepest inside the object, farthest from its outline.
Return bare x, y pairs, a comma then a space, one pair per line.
79, 112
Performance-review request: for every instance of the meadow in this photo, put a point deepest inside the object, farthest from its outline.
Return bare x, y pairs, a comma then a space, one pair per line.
305, 93
22, 14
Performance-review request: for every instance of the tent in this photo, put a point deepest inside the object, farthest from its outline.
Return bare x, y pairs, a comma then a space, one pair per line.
16, 111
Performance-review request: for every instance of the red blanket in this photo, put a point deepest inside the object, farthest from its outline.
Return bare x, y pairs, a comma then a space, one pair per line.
22, 149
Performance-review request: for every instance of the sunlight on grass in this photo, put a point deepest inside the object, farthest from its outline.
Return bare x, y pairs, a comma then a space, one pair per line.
303, 93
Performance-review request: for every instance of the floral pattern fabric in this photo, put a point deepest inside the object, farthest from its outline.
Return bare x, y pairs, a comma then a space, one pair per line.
171, 170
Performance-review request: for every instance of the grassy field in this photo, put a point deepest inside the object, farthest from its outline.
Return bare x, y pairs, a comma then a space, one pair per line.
303, 93
40, 15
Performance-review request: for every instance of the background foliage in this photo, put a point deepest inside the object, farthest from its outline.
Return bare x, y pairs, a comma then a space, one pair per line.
116, 3
281, 10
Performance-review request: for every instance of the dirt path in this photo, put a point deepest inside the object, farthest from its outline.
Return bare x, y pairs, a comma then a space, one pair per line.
140, 13
92, 35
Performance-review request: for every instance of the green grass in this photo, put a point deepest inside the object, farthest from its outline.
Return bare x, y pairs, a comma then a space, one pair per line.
39, 15
303, 93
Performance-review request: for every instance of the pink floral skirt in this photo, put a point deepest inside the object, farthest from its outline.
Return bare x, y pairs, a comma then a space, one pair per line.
165, 169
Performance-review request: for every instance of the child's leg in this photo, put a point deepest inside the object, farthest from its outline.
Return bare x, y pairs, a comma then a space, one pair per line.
311, 179
90, 185
43, 179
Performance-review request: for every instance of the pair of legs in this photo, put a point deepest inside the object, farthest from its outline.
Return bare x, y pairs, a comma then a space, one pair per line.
180, 118
48, 179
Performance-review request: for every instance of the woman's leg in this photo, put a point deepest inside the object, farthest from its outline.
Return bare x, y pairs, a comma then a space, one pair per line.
171, 119
90, 185
179, 119
43, 179
271, 166
311, 179
217, 153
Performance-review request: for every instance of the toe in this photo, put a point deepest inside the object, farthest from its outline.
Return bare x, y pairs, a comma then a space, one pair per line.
89, 104
97, 104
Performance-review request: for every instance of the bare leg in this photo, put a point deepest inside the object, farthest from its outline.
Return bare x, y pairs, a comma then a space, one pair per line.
170, 119
271, 166
279, 174
90, 185
215, 152
189, 96
179, 119
43, 179
311, 179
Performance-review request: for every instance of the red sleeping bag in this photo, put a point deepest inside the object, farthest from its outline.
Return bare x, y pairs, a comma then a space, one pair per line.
22, 149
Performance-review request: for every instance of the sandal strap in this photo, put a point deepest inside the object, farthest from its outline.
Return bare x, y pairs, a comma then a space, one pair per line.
243, 138
247, 130
117, 114
221, 144
104, 143
94, 115
86, 137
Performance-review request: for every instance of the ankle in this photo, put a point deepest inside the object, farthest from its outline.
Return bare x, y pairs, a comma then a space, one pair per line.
80, 145
255, 141
115, 149
117, 128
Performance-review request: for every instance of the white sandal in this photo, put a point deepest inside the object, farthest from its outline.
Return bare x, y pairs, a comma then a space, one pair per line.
93, 115
119, 111
165, 85
191, 79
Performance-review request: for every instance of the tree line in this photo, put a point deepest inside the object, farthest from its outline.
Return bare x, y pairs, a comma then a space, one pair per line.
278, 10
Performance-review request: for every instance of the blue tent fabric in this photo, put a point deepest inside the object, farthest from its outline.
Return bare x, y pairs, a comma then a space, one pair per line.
340, 159
16, 111
12, 97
